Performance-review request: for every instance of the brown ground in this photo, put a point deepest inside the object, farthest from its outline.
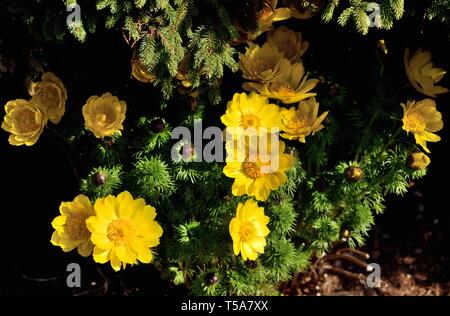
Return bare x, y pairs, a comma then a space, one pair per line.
409, 242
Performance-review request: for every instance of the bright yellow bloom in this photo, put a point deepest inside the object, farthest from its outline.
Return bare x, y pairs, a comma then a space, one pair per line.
262, 64
303, 121
25, 121
251, 111
257, 175
123, 230
139, 72
70, 227
50, 95
418, 160
288, 42
422, 119
104, 115
291, 87
422, 74
249, 230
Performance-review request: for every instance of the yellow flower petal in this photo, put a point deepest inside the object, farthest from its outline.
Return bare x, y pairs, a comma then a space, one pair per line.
123, 230
104, 115
248, 230
422, 74
85, 249
101, 255
116, 264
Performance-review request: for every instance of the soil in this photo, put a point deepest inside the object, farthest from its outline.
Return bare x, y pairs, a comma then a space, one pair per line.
410, 245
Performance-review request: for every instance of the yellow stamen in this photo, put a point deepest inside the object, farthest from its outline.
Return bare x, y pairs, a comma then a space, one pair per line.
76, 226
249, 120
415, 123
246, 231
120, 231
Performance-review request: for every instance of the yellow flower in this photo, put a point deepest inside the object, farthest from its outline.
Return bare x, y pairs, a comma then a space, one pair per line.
70, 227
248, 230
262, 64
418, 160
123, 230
257, 175
104, 115
422, 74
139, 72
25, 121
288, 42
251, 111
303, 121
270, 14
50, 95
422, 119
291, 87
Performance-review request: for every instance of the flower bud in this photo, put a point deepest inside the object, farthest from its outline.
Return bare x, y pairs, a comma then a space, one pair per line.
353, 173
418, 161
157, 126
211, 278
99, 179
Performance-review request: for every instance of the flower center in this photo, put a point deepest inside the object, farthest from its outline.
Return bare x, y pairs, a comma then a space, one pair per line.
104, 114
296, 125
415, 123
76, 227
283, 89
249, 120
101, 118
256, 169
252, 169
27, 122
262, 65
246, 232
50, 96
120, 231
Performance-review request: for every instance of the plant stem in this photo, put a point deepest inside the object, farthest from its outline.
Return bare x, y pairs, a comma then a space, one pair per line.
366, 132
72, 147
391, 140
61, 137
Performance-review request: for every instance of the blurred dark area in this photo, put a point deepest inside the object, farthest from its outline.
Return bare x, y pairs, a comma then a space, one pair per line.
36, 179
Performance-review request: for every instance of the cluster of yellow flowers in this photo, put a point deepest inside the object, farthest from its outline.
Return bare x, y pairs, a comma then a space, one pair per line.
276, 69
276, 72
421, 117
250, 166
119, 229
25, 119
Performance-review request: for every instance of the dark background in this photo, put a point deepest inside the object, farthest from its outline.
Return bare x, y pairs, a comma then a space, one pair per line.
36, 179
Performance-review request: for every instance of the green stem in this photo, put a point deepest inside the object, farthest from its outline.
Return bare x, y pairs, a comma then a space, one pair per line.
404, 86
61, 137
391, 140
72, 147
366, 132
381, 179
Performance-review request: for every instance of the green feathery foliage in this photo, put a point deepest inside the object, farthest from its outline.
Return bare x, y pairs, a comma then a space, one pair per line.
364, 14
102, 181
